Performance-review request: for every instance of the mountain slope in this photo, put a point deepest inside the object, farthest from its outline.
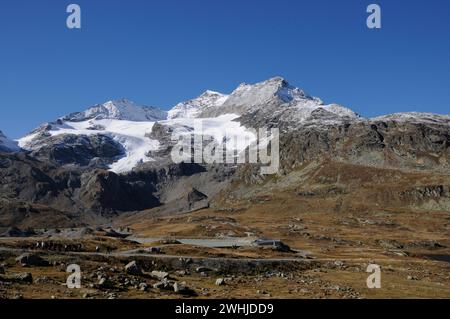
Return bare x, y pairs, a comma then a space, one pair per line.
7, 145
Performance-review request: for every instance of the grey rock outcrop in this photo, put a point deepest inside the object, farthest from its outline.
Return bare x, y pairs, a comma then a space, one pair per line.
29, 260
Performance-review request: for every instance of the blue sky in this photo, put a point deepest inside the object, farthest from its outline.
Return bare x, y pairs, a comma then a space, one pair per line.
160, 52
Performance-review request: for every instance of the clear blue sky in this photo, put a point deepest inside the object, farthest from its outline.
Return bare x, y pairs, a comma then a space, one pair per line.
160, 52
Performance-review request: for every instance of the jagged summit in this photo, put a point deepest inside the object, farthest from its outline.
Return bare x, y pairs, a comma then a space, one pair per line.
193, 107
276, 87
271, 96
121, 109
274, 94
272, 91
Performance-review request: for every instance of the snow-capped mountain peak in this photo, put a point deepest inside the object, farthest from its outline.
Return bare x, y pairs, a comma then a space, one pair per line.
264, 91
121, 109
272, 93
192, 108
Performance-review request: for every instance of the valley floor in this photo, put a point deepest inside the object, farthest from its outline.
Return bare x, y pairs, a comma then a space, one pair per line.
328, 258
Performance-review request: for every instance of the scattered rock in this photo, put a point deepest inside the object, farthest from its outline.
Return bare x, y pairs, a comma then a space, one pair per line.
44, 280
389, 244
2, 270
177, 287
23, 277
339, 264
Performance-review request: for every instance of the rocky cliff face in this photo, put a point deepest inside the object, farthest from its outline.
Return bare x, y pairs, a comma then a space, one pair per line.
96, 151
378, 142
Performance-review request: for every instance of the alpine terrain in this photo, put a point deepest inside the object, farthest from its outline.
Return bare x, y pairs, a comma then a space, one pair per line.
101, 184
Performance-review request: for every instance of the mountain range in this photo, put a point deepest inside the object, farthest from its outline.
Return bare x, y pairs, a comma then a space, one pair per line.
114, 158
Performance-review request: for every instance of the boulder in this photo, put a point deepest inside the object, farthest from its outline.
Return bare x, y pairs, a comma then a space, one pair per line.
177, 287
132, 268
183, 289
105, 283
163, 285
180, 288
202, 269
143, 286
220, 282
27, 260
160, 275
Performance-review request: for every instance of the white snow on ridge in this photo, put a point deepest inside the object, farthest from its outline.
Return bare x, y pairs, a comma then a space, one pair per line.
415, 117
260, 93
134, 136
193, 107
341, 111
130, 134
119, 110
